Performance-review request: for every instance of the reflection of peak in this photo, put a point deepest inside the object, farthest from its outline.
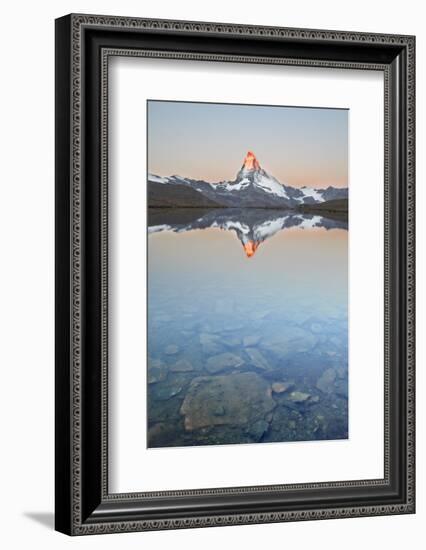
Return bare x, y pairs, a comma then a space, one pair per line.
250, 247
251, 162
252, 226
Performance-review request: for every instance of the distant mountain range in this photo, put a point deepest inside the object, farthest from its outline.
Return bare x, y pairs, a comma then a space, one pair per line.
253, 187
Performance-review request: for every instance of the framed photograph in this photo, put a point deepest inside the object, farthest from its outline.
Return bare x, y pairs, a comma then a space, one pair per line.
234, 274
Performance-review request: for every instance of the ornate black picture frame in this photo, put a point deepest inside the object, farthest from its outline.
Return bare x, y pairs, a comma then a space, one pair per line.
84, 44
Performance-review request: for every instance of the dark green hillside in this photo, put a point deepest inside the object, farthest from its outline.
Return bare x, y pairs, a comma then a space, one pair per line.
164, 195
336, 208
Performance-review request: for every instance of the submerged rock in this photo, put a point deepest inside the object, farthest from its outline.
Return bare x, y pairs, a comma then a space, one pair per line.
163, 410
240, 399
207, 338
183, 365
219, 410
290, 340
338, 342
342, 389
341, 372
157, 371
156, 431
163, 435
258, 428
231, 341
257, 359
171, 349
223, 361
210, 343
298, 397
211, 349
250, 341
326, 381
232, 326
166, 390
281, 387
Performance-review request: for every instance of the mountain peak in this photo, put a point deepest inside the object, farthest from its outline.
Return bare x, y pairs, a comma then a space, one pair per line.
251, 162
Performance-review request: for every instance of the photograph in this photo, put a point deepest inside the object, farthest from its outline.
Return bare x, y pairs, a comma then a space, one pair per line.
212, 238
235, 277
247, 298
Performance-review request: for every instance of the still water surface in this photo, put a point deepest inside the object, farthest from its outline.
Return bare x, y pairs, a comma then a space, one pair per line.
247, 327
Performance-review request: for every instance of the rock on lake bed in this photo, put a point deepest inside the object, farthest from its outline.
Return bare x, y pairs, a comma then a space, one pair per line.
234, 399
223, 361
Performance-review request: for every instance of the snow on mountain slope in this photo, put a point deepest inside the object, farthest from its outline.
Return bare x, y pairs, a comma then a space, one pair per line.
157, 179
269, 184
253, 187
234, 186
310, 192
252, 173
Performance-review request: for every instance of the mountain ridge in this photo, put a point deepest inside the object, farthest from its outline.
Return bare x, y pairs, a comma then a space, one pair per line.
253, 187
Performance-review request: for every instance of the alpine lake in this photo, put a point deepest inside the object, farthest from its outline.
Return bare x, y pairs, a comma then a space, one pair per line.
247, 327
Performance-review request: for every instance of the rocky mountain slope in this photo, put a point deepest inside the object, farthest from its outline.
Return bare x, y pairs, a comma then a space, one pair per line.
252, 187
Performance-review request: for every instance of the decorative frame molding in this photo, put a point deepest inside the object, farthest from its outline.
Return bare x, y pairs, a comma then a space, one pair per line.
84, 43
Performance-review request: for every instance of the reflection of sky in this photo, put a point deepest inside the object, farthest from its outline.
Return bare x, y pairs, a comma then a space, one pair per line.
295, 268
299, 146
280, 315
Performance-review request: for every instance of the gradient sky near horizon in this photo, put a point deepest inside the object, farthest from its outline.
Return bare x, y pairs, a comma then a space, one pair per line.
297, 145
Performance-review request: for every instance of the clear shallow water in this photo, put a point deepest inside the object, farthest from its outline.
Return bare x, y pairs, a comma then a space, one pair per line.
247, 327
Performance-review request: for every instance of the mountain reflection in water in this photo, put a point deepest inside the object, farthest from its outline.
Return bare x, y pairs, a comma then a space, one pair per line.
246, 350
252, 226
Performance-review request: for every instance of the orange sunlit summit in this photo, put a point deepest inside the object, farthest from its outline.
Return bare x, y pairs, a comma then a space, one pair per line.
251, 162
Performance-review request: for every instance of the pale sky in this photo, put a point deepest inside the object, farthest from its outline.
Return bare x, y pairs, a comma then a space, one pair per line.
297, 145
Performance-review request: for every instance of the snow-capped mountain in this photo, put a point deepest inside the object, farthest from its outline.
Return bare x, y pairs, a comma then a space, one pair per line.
252, 226
252, 187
